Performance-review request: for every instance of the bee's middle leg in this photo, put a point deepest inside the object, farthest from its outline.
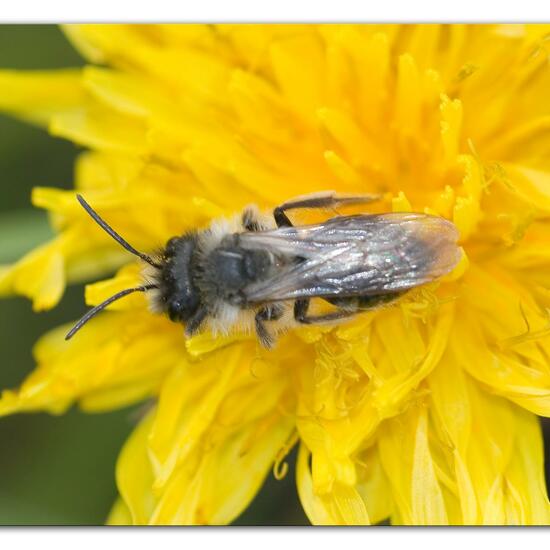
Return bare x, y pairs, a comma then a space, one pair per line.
300, 314
271, 312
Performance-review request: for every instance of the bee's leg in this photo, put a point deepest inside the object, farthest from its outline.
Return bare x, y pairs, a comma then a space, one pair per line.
373, 302
326, 199
194, 323
272, 312
300, 314
250, 219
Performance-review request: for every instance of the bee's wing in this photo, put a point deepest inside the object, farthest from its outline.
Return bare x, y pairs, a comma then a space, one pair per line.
355, 255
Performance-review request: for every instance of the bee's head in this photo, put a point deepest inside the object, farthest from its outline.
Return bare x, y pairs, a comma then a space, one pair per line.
174, 290
178, 295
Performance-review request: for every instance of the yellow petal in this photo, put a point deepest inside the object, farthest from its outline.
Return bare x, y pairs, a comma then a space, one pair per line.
342, 506
127, 277
412, 368
99, 128
188, 402
134, 475
525, 474
451, 119
532, 185
301, 84
466, 492
40, 275
374, 487
315, 509
119, 514
203, 493
408, 96
39, 95
427, 506
112, 362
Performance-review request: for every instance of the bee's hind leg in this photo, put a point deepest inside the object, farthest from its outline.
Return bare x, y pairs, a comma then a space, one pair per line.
325, 199
300, 314
272, 312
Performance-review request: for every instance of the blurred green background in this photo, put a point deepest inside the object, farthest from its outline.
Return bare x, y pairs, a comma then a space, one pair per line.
60, 470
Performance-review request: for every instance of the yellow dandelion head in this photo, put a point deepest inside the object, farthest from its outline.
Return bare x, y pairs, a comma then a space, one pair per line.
424, 411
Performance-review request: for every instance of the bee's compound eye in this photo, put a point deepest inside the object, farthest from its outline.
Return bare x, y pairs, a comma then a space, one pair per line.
182, 306
174, 310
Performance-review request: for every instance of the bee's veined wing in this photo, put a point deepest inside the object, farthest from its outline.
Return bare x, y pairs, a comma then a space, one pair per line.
355, 255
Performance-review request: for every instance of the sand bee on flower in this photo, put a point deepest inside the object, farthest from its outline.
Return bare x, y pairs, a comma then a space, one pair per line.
261, 272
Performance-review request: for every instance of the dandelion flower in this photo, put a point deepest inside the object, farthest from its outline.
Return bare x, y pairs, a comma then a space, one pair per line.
423, 412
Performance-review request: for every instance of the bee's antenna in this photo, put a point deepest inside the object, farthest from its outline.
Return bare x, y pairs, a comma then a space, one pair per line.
103, 305
103, 224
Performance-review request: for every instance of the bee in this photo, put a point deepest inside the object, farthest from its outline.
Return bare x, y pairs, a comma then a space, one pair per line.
261, 272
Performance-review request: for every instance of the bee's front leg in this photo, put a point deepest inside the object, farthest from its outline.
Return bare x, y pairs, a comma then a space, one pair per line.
194, 323
272, 312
